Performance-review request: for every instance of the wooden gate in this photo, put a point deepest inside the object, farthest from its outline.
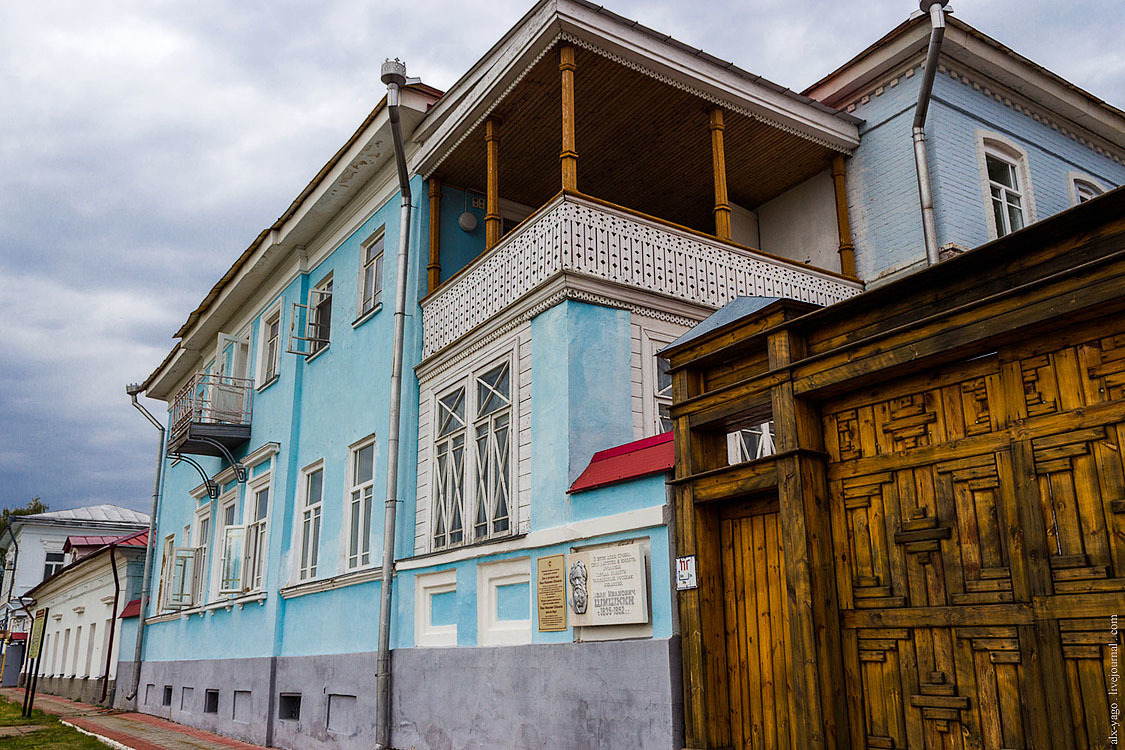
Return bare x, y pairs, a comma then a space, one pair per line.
757, 628
979, 525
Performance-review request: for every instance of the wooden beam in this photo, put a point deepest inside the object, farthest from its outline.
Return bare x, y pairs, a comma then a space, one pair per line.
719, 168
569, 156
433, 269
492, 191
847, 250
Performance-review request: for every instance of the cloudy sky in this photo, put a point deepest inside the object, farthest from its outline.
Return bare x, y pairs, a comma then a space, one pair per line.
144, 144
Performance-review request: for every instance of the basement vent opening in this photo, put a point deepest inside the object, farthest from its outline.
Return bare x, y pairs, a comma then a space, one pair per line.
166, 699
211, 702
289, 707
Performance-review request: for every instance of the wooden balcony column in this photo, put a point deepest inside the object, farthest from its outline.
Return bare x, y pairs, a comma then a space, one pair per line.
492, 190
433, 269
847, 250
569, 156
719, 167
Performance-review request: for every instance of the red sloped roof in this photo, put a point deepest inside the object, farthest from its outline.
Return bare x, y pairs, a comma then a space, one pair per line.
132, 609
137, 539
640, 458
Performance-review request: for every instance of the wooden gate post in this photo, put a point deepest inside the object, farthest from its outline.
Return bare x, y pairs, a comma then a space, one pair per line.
816, 685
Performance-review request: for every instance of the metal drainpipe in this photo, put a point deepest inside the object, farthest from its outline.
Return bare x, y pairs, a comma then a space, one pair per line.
112, 622
394, 75
936, 9
133, 390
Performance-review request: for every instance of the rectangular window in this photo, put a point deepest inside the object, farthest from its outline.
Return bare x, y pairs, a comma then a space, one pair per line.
750, 443
203, 541
211, 702
472, 498
1007, 198
183, 584
271, 351
165, 571
371, 275
359, 506
234, 546
311, 504
54, 562
256, 549
320, 316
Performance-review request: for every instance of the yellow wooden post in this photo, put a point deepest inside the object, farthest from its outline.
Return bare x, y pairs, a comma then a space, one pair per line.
719, 167
433, 269
568, 157
492, 192
847, 250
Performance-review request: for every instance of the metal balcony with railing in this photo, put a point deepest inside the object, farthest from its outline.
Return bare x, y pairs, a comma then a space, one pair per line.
210, 415
585, 237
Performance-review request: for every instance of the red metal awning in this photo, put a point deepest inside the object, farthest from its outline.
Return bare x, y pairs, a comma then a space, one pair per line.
132, 609
640, 458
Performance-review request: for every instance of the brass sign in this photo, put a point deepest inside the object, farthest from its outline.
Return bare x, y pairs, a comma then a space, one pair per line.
551, 592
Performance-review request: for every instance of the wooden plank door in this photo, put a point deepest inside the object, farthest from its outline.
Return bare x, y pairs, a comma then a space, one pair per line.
757, 630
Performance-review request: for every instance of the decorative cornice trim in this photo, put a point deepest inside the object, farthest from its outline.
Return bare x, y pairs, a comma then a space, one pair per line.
982, 84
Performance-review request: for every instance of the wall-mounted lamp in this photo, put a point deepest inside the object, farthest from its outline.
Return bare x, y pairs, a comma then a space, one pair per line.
467, 220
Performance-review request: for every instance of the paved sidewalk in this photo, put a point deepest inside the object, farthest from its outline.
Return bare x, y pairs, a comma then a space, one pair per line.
127, 729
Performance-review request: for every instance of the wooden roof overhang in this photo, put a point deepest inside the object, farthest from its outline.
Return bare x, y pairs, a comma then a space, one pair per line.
642, 142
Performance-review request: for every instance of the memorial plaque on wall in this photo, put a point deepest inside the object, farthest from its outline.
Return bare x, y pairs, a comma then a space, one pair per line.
608, 586
550, 592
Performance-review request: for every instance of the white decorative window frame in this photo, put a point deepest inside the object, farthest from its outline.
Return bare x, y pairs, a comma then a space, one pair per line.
345, 548
426, 586
654, 335
516, 347
492, 631
202, 541
988, 142
1073, 179
299, 524
262, 535
377, 277
261, 368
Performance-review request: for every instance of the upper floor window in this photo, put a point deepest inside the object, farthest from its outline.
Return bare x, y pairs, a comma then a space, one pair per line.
271, 346
312, 501
1006, 182
473, 459
1083, 188
1007, 194
320, 315
371, 275
234, 546
362, 470
655, 383
54, 562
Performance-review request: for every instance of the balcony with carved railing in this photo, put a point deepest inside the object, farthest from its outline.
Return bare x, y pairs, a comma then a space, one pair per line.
582, 237
210, 416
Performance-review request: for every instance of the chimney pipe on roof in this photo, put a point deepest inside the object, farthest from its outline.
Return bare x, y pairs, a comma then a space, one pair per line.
936, 9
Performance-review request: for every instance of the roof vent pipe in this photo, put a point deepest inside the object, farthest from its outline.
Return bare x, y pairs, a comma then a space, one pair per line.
394, 75
936, 9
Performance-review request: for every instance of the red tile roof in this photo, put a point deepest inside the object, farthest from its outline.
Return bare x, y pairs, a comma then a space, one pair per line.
132, 609
137, 539
640, 458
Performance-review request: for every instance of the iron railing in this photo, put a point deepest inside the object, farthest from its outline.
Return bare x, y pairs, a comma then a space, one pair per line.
212, 399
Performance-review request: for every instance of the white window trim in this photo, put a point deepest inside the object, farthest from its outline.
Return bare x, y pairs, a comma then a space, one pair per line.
492, 631
426, 586
250, 507
263, 331
299, 525
229, 500
988, 142
360, 313
203, 542
345, 548
467, 379
651, 343
1072, 180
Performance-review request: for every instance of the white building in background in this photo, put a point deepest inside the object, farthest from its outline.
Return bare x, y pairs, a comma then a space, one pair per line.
85, 601
34, 551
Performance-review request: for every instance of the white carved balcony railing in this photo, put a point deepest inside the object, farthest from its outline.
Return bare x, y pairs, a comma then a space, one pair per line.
580, 236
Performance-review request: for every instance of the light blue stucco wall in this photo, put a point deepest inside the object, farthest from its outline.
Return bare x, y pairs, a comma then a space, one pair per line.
458, 247
580, 395
882, 184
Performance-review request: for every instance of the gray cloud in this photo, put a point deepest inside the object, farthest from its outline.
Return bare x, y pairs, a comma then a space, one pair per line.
145, 144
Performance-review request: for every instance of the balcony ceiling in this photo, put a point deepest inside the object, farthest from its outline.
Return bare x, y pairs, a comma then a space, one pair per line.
642, 143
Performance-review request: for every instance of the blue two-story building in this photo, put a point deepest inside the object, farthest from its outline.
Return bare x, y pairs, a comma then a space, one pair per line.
582, 196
